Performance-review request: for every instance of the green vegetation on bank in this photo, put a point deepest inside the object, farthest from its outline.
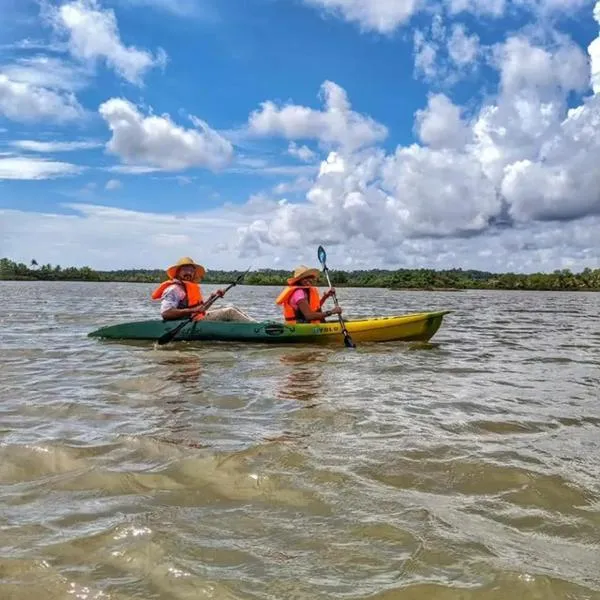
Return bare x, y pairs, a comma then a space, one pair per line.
587, 280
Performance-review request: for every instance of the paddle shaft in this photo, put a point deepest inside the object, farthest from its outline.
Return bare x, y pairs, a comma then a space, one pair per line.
167, 337
347, 339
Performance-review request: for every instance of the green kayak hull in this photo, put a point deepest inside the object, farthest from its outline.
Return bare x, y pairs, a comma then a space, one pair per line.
410, 327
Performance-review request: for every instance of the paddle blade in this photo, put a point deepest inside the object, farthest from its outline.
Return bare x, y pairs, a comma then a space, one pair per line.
348, 342
165, 338
322, 255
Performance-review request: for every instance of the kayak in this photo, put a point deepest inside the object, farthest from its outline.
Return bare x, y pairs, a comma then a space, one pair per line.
410, 327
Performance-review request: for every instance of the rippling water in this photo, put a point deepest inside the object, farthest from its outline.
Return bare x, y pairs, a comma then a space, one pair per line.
467, 468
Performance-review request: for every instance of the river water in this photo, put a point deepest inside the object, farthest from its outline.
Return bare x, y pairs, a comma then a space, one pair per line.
467, 468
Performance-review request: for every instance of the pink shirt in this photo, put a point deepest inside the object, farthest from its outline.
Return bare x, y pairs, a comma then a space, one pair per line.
296, 297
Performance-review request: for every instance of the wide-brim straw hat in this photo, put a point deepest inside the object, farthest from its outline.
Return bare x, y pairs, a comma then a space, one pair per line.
186, 260
301, 272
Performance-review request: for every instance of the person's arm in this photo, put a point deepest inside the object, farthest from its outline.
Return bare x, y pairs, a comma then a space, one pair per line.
317, 315
171, 300
330, 292
178, 313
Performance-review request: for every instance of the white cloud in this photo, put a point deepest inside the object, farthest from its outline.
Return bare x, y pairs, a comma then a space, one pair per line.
493, 8
302, 152
301, 184
525, 66
366, 238
113, 184
27, 168
385, 198
37, 146
462, 47
337, 124
103, 237
33, 44
180, 8
266, 168
383, 16
563, 183
28, 103
522, 160
93, 34
252, 162
132, 169
523, 248
290, 170
438, 192
425, 55
47, 72
440, 124
386, 16
555, 6
158, 142
442, 57
594, 52
527, 115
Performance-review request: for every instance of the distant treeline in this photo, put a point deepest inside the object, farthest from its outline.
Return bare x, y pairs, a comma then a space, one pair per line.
428, 279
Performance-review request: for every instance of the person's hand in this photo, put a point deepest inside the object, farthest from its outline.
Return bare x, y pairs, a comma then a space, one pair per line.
330, 292
336, 311
219, 293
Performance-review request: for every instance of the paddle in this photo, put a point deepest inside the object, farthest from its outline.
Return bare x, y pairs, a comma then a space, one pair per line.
322, 259
167, 337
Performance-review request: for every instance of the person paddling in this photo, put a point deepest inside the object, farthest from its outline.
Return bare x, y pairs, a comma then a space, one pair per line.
300, 300
181, 295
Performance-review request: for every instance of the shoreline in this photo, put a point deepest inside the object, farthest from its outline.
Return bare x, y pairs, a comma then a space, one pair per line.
416, 279
222, 281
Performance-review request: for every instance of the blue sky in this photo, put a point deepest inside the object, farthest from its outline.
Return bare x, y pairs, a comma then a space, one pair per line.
398, 132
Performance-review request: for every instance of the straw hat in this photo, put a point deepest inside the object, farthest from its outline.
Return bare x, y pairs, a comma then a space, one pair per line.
186, 260
301, 272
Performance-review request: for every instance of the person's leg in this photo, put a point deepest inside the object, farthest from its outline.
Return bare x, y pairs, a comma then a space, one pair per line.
228, 313
240, 315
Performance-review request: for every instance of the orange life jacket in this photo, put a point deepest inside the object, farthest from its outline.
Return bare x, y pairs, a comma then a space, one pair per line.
292, 315
193, 294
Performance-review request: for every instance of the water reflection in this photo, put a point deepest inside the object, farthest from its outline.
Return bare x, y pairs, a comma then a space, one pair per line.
183, 371
302, 375
184, 368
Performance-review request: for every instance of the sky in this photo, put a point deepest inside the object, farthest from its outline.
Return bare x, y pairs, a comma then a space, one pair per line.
244, 133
